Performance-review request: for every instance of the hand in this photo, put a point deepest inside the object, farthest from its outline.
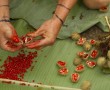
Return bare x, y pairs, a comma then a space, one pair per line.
49, 31
96, 4
7, 32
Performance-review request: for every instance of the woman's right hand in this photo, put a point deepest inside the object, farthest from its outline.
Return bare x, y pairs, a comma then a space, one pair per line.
7, 32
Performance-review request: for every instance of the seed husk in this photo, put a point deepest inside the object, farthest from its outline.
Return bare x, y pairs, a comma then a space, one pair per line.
77, 61
75, 36
101, 61
87, 46
108, 54
86, 85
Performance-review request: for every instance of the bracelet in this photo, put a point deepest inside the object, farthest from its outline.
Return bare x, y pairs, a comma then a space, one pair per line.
64, 6
5, 20
4, 5
59, 18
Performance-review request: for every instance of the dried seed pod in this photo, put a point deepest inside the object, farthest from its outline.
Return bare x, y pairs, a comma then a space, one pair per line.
63, 71
75, 77
87, 46
80, 68
108, 54
101, 61
61, 64
75, 36
86, 85
77, 61
81, 41
108, 63
105, 65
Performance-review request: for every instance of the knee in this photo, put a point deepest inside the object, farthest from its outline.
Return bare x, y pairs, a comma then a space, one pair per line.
96, 4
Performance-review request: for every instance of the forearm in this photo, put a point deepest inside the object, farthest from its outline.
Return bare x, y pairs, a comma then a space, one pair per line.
4, 9
63, 12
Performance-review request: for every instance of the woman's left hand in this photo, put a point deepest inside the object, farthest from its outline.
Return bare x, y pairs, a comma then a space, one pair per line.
48, 31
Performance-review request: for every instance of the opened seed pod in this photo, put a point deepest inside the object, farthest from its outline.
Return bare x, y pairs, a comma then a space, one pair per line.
108, 54
85, 56
61, 64
63, 71
26, 39
91, 64
75, 77
75, 36
86, 85
79, 68
101, 61
81, 41
81, 54
94, 54
92, 42
77, 61
87, 46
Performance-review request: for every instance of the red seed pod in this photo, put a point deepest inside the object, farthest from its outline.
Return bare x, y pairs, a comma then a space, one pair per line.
75, 77
85, 56
94, 54
81, 54
63, 71
81, 41
80, 68
26, 39
92, 42
61, 64
91, 64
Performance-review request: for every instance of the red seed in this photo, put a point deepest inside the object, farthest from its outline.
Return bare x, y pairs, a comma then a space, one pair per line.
94, 54
15, 39
79, 68
91, 64
15, 67
61, 63
63, 71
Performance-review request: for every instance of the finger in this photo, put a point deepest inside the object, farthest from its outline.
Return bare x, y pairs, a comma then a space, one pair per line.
39, 43
36, 33
10, 48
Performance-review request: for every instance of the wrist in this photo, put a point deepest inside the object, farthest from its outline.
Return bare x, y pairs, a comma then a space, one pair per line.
4, 13
56, 21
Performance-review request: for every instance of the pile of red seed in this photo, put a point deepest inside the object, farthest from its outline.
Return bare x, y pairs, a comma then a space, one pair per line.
15, 67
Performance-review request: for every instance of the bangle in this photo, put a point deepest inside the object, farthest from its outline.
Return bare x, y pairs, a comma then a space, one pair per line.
4, 5
59, 18
64, 6
5, 20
